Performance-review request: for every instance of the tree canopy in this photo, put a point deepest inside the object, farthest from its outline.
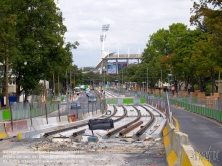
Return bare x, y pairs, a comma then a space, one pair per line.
32, 32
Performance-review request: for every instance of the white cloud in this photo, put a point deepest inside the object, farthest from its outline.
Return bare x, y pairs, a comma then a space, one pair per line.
131, 23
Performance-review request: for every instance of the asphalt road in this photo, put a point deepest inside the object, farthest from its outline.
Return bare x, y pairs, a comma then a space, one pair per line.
205, 135
85, 105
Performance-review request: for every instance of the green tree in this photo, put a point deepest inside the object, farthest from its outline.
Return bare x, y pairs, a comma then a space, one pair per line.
184, 65
207, 16
160, 50
7, 40
39, 54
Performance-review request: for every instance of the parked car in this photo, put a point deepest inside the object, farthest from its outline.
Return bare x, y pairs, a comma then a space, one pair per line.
92, 98
87, 92
75, 104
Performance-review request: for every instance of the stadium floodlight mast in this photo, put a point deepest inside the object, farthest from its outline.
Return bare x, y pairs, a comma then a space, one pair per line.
101, 38
105, 28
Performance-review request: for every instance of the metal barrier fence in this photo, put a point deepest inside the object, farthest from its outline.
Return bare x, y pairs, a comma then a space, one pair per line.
102, 102
157, 101
208, 108
62, 98
24, 110
211, 108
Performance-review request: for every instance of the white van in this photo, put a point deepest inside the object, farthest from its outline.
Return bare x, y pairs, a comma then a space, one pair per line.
77, 90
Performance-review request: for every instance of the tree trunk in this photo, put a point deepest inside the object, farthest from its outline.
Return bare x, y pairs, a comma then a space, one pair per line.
17, 91
58, 87
18, 88
26, 97
201, 84
192, 80
213, 80
53, 79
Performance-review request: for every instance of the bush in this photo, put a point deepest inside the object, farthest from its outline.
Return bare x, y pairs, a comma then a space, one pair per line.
195, 87
208, 89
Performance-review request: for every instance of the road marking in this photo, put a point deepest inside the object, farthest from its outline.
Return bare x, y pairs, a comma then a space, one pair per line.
176, 123
203, 159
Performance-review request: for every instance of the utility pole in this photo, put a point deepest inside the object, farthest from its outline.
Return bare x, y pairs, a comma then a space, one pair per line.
70, 86
58, 87
147, 85
104, 78
219, 85
74, 80
66, 84
53, 78
45, 94
161, 79
122, 80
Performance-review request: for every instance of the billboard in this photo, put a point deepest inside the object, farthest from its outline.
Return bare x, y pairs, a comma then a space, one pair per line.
111, 67
121, 65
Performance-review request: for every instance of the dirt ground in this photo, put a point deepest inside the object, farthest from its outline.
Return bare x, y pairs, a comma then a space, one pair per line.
110, 152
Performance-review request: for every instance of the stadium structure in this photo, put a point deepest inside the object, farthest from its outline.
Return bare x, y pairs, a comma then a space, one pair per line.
112, 63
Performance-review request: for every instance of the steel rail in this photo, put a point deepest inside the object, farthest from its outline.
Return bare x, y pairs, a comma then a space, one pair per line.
144, 128
128, 129
76, 126
75, 134
124, 114
114, 112
65, 129
126, 125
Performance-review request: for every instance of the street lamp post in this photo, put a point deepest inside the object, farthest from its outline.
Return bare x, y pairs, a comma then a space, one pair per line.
169, 75
66, 84
147, 88
74, 80
143, 89
117, 85
104, 77
168, 103
53, 78
122, 82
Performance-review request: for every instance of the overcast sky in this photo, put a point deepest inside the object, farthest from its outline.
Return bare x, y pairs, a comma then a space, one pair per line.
131, 24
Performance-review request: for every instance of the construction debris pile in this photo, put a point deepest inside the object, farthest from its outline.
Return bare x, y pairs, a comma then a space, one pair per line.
110, 152
117, 145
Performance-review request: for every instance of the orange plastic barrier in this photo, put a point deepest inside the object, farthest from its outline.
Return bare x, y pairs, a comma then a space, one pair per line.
73, 118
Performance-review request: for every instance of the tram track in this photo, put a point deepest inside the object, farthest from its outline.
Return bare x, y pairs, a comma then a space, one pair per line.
148, 124
123, 130
130, 126
80, 125
112, 132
